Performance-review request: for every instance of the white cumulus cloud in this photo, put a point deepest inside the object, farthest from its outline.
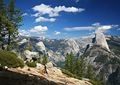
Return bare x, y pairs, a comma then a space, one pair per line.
39, 29
43, 9
36, 30
24, 33
43, 19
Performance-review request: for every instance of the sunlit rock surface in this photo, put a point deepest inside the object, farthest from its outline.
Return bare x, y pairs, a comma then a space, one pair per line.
101, 40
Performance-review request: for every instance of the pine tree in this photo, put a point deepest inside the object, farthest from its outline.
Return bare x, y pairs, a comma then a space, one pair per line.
45, 59
2, 16
90, 72
2, 7
69, 62
77, 66
44, 62
5, 24
15, 17
82, 67
10, 19
66, 61
72, 59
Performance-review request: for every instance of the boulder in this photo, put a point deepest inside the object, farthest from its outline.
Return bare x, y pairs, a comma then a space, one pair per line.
39, 66
49, 65
29, 55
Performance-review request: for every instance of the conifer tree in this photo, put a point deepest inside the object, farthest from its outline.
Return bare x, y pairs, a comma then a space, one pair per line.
77, 66
45, 59
2, 15
69, 62
5, 24
90, 72
10, 19
66, 61
44, 62
15, 17
72, 59
82, 67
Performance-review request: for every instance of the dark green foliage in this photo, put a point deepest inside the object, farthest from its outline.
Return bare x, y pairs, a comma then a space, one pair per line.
114, 61
10, 59
69, 63
70, 74
81, 66
2, 7
96, 82
10, 19
44, 59
90, 72
15, 17
39, 60
31, 64
75, 65
78, 68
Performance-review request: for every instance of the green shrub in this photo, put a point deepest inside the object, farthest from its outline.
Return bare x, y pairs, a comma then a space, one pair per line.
31, 64
70, 74
96, 82
10, 59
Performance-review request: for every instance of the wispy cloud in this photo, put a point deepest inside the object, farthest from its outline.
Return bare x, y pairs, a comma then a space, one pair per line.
95, 26
57, 33
39, 29
35, 30
80, 28
24, 33
43, 9
118, 29
43, 19
25, 14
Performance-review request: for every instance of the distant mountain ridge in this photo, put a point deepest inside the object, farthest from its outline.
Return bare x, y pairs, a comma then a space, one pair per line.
60, 47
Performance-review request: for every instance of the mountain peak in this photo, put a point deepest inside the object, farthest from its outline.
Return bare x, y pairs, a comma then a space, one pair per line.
100, 40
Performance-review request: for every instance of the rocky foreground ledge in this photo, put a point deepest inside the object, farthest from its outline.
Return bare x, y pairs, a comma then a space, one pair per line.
33, 76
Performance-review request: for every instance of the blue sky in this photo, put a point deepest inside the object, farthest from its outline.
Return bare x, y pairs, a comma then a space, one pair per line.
69, 18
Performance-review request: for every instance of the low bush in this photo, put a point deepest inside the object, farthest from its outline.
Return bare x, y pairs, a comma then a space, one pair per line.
10, 59
96, 82
31, 64
70, 74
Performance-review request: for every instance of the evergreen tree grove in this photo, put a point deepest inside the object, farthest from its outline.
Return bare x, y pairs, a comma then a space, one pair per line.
10, 19
69, 63
78, 66
15, 17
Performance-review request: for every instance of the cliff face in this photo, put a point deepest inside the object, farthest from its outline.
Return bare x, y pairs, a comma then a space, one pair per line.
100, 40
114, 78
104, 61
